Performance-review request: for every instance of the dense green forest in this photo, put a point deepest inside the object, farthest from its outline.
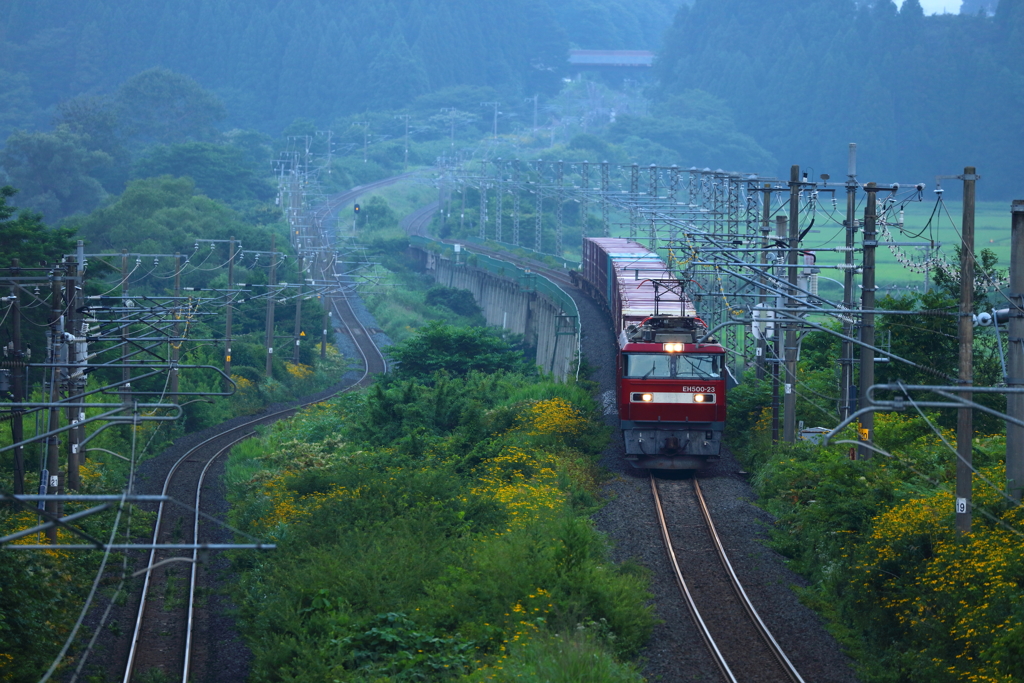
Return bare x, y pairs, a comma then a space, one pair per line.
271, 62
921, 95
738, 84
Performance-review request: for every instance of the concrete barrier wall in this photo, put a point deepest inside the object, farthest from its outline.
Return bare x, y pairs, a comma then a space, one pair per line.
508, 305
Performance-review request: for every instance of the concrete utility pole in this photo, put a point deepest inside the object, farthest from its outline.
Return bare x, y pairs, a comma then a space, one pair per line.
965, 415
17, 383
495, 105
846, 356
126, 373
867, 328
405, 165
780, 232
270, 308
762, 341
71, 326
298, 315
176, 345
53, 475
789, 421
1015, 357
230, 307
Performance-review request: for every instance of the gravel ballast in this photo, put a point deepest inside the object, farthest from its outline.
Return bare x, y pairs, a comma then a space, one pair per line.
675, 651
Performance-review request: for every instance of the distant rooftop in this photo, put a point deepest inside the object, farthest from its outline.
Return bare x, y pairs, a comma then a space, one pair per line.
611, 58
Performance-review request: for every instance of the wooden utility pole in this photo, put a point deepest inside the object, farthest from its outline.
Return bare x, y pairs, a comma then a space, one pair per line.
867, 327
792, 303
1015, 357
270, 308
17, 383
965, 415
846, 395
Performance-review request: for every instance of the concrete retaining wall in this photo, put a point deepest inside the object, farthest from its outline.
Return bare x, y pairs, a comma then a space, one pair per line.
511, 305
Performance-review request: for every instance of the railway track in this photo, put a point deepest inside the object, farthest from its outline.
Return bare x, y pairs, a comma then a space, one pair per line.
740, 643
162, 637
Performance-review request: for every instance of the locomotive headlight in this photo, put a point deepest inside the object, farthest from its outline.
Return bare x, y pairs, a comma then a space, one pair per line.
673, 346
647, 397
698, 398
703, 398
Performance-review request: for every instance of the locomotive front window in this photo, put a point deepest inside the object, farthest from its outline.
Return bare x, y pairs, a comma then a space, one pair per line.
681, 366
647, 365
698, 366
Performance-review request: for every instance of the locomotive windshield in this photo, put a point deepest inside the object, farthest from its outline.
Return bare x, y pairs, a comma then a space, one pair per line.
648, 365
663, 365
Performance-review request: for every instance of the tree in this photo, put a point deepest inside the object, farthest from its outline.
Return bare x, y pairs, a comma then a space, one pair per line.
457, 351
220, 171
161, 106
56, 171
25, 237
95, 119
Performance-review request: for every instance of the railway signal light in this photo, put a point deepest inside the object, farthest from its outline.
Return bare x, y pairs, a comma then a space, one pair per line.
355, 208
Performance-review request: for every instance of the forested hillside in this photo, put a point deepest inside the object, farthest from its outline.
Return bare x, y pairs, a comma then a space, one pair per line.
271, 61
921, 95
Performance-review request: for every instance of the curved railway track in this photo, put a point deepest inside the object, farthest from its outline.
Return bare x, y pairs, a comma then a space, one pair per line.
166, 615
740, 643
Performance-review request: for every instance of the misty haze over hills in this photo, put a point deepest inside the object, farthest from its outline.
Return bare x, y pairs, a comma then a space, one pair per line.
921, 94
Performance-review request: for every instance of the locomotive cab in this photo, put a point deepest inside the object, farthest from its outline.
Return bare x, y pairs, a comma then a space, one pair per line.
671, 392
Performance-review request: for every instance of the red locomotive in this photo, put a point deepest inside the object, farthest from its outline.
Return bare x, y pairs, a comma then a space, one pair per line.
671, 380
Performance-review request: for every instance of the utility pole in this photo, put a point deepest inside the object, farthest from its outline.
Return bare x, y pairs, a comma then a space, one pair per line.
515, 202
1015, 357
406, 117
965, 415
230, 307
71, 328
558, 207
126, 373
604, 198
534, 99
495, 105
451, 120
298, 315
326, 325
56, 332
500, 201
366, 138
867, 327
270, 308
780, 232
176, 345
17, 383
792, 303
846, 356
585, 207
762, 340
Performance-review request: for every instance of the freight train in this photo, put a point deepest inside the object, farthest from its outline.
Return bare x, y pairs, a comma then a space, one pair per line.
671, 377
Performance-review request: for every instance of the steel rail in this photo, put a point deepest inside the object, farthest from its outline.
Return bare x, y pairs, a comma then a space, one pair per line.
705, 632
748, 605
195, 556
362, 381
